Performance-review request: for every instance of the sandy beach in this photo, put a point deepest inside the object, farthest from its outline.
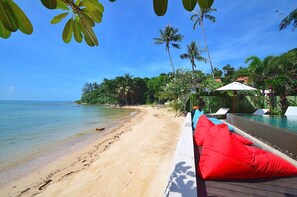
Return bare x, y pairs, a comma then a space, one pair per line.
132, 160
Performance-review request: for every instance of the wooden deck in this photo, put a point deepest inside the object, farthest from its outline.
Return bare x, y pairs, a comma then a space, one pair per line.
286, 187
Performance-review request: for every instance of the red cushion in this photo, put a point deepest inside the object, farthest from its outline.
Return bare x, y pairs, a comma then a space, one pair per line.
242, 139
202, 129
269, 165
225, 157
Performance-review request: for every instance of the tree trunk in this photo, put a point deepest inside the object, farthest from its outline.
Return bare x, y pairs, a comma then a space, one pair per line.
211, 67
263, 94
193, 64
170, 60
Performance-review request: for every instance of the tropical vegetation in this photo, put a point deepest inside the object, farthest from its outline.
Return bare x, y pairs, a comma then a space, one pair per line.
278, 74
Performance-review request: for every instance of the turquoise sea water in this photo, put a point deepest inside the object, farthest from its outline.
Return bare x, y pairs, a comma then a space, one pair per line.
284, 122
34, 132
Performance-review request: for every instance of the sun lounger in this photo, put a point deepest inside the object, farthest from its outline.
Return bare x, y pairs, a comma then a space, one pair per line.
260, 112
220, 112
291, 111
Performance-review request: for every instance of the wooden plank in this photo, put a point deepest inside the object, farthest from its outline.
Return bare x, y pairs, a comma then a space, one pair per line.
217, 191
230, 188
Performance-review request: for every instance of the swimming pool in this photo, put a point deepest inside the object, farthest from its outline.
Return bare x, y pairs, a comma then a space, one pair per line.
279, 131
283, 122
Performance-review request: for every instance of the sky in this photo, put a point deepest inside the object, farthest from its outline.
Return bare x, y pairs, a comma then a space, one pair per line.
42, 67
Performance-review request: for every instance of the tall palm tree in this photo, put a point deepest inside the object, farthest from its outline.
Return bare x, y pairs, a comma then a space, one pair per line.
193, 53
198, 19
169, 36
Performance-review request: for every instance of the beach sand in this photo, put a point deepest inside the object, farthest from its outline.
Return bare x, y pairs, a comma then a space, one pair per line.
132, 160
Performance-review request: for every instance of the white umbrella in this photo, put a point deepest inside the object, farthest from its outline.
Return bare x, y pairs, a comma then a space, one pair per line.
235, 86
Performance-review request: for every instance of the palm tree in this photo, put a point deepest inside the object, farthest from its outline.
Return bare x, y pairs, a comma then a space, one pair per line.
193, 53
259, 70
168, 36
125, 88
198, 19
291, 18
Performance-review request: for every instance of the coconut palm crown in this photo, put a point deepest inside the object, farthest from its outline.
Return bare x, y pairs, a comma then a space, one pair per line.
169, 36
193, 53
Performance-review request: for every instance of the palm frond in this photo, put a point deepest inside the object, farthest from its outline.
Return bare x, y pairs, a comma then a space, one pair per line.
184, 56
210, 17
201, 59
158, 41
176, 45
292, 17
195, 24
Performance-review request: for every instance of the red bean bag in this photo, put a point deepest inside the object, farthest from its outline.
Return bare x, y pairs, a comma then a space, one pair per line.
225, 157
242, 139
202, 129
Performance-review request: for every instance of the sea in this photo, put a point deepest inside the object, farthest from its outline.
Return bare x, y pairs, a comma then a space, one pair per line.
34, 133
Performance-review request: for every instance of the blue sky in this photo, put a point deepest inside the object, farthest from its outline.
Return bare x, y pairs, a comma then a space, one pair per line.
42, 67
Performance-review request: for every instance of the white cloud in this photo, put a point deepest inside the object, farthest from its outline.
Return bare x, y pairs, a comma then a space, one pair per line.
11, 90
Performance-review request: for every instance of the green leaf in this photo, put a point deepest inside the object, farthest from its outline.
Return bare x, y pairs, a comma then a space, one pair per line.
67, 32
59, 17
24, 23
96, 16
88, 40
50, 4
85, 13
189, 5
62, 5
205, 4
160, 7
81, 4
76, 31
95, 10
87, 30
86, 35
94, 4
77, 2
8, 17
4, 33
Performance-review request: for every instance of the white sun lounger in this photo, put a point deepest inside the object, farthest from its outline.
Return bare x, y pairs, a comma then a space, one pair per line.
260, 112
291, 111
220, 112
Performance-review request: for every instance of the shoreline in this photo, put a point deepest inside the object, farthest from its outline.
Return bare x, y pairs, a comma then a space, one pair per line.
57, 150
76, 165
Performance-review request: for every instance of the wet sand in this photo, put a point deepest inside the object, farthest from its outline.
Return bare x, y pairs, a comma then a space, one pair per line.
132, 160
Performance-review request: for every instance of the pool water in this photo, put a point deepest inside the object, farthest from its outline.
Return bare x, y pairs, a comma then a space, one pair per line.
284, 122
